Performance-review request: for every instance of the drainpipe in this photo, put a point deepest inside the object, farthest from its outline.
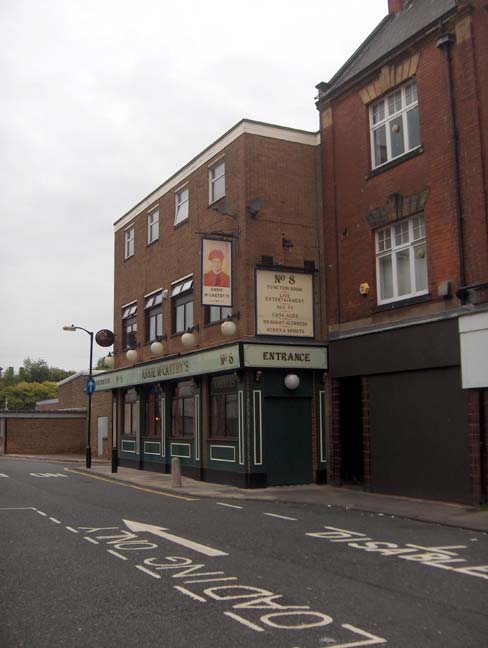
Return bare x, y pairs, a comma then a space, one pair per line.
444, 42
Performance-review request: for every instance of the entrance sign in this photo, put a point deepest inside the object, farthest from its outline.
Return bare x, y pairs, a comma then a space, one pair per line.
280, 356
216, 272
284, 303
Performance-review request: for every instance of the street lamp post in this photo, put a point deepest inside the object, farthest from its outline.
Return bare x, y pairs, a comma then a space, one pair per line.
90, 372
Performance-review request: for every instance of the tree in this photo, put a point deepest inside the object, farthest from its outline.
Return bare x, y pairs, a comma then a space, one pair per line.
101, 366
24, 395
35, 370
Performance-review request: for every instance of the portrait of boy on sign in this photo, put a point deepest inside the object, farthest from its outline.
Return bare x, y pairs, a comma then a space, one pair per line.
216, 272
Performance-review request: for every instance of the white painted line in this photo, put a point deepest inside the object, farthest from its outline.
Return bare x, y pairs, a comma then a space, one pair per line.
3, 475
212, 580
116, 553
282, 517
71, 529
148, 571
18, 508
91, 540
54, 520
245, 622
41, 513
372, 640
138, 527
193, 596
229, 505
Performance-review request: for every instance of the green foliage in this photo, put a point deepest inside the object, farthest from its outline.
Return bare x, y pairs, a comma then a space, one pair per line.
35, 381
100, 366
24, 395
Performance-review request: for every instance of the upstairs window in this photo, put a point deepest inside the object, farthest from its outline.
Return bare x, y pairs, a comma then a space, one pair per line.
182, 305
394, 123
129, 326
182, 204
401, 260
217, 313
153, 311
217, 181
153, 227
129, 242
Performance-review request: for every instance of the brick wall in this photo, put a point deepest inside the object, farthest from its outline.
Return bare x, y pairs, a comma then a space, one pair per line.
350, 194
44, 434
284, 174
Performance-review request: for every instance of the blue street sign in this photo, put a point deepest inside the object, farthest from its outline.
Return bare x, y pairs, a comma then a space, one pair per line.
90, 386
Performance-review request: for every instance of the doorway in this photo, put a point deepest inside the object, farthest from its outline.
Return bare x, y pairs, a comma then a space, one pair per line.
102, 433
288, 440
351, 430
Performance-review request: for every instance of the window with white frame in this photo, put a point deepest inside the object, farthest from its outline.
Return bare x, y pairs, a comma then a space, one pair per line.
153, 226
129, 326
182, 305
394, 124
217, 181
129, 242
153, 311
401, 260
182, 204
217, 313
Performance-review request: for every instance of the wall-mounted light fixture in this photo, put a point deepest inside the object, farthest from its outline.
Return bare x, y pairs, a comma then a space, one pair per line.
131, 355
229, 328
188, 339
157, 347
292, 381
109, 361
259, 376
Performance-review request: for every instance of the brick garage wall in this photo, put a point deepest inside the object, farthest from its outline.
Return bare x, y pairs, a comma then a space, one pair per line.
44, 434
71, 394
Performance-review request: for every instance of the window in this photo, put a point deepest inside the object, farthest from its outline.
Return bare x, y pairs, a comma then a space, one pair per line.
129, 242
394, 123
182, 408
223, 407
153, 413
129, 326
131, 413
153, 311
153, 227
181, 211
182, 305
401, 260
217, 313
217, 181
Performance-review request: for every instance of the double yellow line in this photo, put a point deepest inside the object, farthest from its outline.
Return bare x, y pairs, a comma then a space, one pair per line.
141, 488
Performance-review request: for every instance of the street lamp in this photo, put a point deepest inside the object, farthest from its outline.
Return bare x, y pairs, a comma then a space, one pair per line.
90, 333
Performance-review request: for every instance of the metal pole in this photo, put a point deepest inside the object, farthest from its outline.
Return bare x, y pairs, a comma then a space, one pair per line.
88, 443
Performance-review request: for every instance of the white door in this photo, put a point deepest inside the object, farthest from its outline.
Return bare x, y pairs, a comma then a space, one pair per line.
102, 428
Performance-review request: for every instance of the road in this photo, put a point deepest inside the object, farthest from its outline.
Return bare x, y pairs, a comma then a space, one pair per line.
89, 562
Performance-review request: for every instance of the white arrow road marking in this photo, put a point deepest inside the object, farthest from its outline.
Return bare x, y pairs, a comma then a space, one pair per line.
3, 475
137, 527
371, 639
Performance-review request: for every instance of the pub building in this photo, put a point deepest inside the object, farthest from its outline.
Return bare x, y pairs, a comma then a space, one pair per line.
219, 355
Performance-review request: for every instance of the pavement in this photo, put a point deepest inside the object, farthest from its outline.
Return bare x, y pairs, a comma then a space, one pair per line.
455, 515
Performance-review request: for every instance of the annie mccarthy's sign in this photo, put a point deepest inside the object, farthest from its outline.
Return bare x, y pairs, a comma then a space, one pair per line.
284, 303
191, 365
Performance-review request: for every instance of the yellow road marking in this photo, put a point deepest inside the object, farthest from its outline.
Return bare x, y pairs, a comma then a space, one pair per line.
141, 488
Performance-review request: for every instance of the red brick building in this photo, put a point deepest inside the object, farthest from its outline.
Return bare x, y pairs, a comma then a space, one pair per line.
404, 159
217, 301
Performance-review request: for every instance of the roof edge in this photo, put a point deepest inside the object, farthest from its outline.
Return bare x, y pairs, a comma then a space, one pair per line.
242, 127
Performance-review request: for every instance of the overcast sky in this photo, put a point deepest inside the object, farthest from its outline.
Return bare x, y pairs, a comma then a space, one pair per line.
101, 101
